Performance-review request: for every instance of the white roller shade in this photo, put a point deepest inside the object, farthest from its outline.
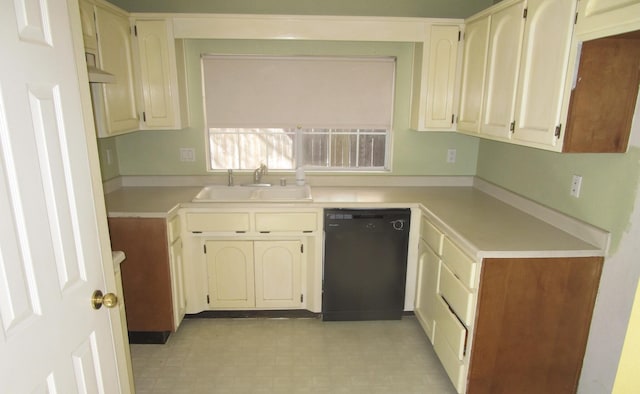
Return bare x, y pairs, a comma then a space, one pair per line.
306, 91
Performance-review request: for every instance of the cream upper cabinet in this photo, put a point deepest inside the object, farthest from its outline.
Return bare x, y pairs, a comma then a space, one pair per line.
503, 60
435, 75
543, 71
160, 64
608, 16
278, 274
230, 274
115, 56
476, 38
88, 20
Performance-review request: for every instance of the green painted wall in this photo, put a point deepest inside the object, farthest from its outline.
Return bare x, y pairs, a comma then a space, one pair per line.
609, 181
411, 8
414, 153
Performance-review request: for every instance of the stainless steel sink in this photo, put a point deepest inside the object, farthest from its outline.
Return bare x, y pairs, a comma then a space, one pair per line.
253, 193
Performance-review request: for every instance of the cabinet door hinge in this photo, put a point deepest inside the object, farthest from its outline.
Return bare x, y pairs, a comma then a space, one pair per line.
512, 126
204, 247
301, 248
144, 116
558, 128
459, 35
453, 118
301, 297
135, 30
524, 13
575, 21
208, 298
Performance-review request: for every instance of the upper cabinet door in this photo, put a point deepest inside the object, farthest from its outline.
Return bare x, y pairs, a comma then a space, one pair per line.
116, 57
157, 58
473, 71
543, 69
503, 61
88, 20
435, 76
443, 58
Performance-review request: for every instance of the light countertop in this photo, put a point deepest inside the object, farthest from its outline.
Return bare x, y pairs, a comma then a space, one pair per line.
484, 225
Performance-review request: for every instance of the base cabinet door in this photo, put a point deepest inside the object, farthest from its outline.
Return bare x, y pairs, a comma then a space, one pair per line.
177, 282
427, 289
230, 269
277, 274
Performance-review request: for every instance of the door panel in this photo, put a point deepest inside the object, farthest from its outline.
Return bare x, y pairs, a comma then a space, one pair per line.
277, 270
52, 233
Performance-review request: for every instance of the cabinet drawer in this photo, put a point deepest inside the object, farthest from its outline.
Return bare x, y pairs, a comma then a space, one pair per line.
457, 296
431, 235
451, 364
173, 229
295, 221
459, 263
218, 222
449, 327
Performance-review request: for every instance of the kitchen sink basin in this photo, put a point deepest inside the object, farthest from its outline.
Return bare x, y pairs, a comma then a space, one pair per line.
253, 193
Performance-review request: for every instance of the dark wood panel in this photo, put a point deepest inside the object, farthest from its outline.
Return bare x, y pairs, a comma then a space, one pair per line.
146, 276
603, 102
532, 326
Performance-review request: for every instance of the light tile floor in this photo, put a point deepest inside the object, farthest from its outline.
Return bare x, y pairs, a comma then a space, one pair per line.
291, 356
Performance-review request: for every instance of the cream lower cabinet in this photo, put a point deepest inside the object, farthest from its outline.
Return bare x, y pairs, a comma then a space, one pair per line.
278, 274
230, 270
152, 275
428, 277
505, 325
248, 274
253, 258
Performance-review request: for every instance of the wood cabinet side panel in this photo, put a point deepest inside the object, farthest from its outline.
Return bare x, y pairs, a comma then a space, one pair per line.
146, 278
608, 78
532, 324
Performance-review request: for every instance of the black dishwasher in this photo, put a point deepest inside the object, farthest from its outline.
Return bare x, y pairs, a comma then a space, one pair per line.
365, 263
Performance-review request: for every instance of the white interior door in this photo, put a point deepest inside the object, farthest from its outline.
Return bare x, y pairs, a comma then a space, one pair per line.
53, 238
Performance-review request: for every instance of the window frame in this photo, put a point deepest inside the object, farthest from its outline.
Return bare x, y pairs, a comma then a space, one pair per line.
388, 133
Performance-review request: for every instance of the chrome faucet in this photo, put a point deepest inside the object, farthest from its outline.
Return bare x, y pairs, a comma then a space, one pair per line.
259, 172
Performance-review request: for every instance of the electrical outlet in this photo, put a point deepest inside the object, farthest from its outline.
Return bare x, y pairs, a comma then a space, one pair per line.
451, 156
576, 184
187, 154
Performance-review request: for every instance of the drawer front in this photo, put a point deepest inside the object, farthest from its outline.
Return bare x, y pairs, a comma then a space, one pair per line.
218, 222
451, 364
457, 296
294, 221
449, 327
460, 264
431, 235
173, 229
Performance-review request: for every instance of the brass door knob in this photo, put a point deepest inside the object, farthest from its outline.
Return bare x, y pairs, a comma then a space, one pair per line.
98, 299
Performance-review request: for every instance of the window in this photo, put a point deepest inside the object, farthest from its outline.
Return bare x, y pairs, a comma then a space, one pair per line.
322, 113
